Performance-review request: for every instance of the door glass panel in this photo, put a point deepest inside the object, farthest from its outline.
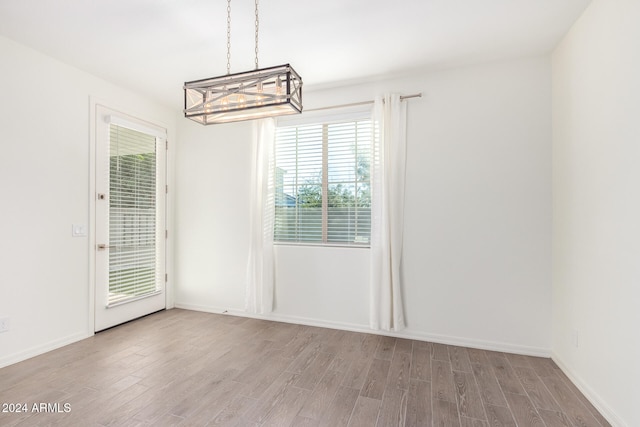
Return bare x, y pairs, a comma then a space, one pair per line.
133, 264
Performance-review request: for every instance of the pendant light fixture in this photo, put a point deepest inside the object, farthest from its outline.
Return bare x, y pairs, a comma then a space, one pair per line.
263, 92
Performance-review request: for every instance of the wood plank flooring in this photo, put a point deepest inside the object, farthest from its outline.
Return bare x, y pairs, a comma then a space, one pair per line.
185, 368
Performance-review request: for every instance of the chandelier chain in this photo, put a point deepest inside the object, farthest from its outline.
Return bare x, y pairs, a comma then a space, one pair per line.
228, 36
257, 27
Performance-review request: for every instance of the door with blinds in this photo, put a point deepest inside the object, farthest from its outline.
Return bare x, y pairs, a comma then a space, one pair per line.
130, 218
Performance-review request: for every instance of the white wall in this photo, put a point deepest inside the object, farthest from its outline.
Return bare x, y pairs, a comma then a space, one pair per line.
596, 226
478, 214
212, 214
44, 188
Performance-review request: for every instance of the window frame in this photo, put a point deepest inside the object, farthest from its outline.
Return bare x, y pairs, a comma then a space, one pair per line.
326, 118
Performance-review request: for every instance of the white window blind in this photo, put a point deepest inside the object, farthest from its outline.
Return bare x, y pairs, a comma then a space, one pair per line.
133, 264
323, 189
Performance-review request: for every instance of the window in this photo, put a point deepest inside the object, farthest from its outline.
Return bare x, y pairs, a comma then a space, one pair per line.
133, 266
322, 183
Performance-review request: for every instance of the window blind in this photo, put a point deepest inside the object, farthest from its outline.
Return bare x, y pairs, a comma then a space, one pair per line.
133, 264
323, 183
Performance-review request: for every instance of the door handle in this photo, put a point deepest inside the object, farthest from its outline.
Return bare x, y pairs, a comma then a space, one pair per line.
102, 246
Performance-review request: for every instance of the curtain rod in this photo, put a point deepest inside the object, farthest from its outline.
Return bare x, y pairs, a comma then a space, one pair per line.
354, 104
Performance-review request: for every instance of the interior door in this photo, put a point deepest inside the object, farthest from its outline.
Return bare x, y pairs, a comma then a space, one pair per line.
130, 218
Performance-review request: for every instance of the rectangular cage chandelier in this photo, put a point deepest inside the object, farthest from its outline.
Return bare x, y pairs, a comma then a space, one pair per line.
262, 92
248, 95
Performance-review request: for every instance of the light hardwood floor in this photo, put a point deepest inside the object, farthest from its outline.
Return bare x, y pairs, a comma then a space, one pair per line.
187, 368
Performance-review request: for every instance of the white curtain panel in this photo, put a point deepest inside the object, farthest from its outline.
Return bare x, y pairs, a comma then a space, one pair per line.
387, 214
260, 266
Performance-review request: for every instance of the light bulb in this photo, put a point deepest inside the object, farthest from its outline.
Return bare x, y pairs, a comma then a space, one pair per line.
207, 102
224, 101
241, 98
260, 91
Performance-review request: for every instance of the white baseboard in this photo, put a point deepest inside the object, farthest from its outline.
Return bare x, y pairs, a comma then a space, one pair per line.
589, 393
41, 349
407, 333
474, 343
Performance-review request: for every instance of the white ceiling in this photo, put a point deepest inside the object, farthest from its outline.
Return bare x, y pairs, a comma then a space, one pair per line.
154, 46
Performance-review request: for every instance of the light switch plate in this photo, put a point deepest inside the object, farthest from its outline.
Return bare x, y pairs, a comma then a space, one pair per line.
78, 230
